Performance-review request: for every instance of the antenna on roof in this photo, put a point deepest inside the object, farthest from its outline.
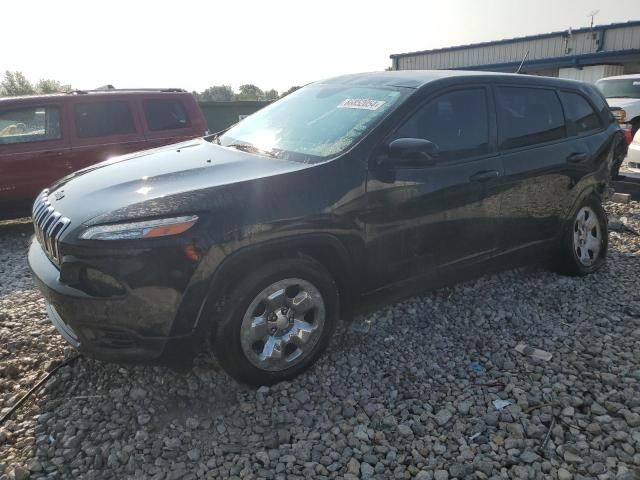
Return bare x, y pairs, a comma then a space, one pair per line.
592, 14
522, 62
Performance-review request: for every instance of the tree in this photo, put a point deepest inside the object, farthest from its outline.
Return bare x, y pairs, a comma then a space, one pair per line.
271, 94
52, 86
14, 84
217, 93
250, 92
291, 90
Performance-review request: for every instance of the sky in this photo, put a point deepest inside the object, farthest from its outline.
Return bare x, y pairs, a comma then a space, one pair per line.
274, 44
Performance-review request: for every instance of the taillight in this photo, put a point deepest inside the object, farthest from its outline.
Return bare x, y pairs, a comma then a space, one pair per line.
627, 133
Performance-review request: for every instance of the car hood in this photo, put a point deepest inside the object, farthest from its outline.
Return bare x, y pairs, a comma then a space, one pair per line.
624, 102
159, 181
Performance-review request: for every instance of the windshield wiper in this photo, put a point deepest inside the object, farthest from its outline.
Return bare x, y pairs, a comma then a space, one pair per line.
215, 137
245, 147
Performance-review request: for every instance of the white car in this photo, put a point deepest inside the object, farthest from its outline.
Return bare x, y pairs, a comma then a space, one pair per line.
632, 161
623, 95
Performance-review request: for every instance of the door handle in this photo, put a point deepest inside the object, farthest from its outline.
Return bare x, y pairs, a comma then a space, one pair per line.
57, 153
484, 176
578, 157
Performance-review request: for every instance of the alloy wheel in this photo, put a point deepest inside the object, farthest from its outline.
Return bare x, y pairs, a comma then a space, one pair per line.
282, 324
587, 236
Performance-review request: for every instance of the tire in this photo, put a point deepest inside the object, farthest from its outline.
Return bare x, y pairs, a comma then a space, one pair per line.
579, 254
259, 343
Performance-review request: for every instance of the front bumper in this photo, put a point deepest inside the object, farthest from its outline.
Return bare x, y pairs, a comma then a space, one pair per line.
633, 157
118, 329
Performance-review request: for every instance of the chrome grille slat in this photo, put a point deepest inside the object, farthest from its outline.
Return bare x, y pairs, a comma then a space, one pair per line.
43, 213
49, 225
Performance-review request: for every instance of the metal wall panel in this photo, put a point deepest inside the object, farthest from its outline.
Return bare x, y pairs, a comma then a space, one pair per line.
616, 38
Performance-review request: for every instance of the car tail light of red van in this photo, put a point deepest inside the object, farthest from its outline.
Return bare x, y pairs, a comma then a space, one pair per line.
626, 128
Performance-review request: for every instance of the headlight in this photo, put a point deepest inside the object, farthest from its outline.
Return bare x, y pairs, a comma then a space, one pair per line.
148, 229
620, 115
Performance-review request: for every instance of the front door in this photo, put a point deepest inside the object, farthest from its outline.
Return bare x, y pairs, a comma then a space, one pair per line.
33, 152
425, 219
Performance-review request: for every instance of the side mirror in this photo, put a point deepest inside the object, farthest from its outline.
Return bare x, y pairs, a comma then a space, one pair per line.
415, 151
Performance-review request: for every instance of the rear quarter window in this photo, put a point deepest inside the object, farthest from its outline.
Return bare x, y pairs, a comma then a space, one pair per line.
103, 119
580, 112
165, 114
528, 116
29, 124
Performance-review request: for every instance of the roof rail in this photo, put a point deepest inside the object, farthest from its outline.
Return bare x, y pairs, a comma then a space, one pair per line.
110, 88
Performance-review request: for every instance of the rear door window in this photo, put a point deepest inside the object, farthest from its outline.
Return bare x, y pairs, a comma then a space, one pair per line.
580, 112
29, 124
165, 114
456, 122
103, 119
528, 116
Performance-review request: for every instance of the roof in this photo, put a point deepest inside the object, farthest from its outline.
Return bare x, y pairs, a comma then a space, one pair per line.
99, 92
622, 77
632, 23
418, 78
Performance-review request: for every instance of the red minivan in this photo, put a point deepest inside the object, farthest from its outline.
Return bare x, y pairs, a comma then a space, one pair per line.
44, 138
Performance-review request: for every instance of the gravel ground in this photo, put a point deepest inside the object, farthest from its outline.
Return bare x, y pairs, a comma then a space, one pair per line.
405, 392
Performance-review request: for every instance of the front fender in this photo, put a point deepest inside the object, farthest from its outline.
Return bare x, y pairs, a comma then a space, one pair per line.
342, 255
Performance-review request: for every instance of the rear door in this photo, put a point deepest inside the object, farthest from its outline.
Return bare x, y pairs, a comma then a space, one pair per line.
34, 151
591, 145
170, 119
535, 152
425, 219
103, 128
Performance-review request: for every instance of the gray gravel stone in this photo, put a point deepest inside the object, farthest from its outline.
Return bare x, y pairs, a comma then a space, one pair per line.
443, 416
394, 400
441, 475
564, 474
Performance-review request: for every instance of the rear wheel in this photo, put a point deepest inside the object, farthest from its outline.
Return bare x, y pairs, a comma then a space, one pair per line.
584, 245
277, 321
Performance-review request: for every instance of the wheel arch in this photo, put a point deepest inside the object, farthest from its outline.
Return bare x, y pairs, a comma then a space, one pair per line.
341, 262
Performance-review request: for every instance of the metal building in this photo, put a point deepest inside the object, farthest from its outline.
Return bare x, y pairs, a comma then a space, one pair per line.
586, 54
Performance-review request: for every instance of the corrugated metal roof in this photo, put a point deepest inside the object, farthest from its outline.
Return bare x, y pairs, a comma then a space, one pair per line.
631, 23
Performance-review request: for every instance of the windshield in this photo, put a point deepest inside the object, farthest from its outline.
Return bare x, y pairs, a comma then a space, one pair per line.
627, 88
313, 123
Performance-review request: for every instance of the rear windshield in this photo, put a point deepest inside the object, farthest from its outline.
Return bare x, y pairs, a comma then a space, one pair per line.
313, 123
621, 88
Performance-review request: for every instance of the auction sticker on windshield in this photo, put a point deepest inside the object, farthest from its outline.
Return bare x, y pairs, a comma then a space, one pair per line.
361, 103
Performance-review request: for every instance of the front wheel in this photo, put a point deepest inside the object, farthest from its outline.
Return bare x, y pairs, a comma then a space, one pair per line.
584, 245
277, 321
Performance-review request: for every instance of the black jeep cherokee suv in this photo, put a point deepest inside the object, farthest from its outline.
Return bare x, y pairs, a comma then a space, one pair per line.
255, 240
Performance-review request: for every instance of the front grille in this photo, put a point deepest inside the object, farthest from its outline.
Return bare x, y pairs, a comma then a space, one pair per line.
49, 226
